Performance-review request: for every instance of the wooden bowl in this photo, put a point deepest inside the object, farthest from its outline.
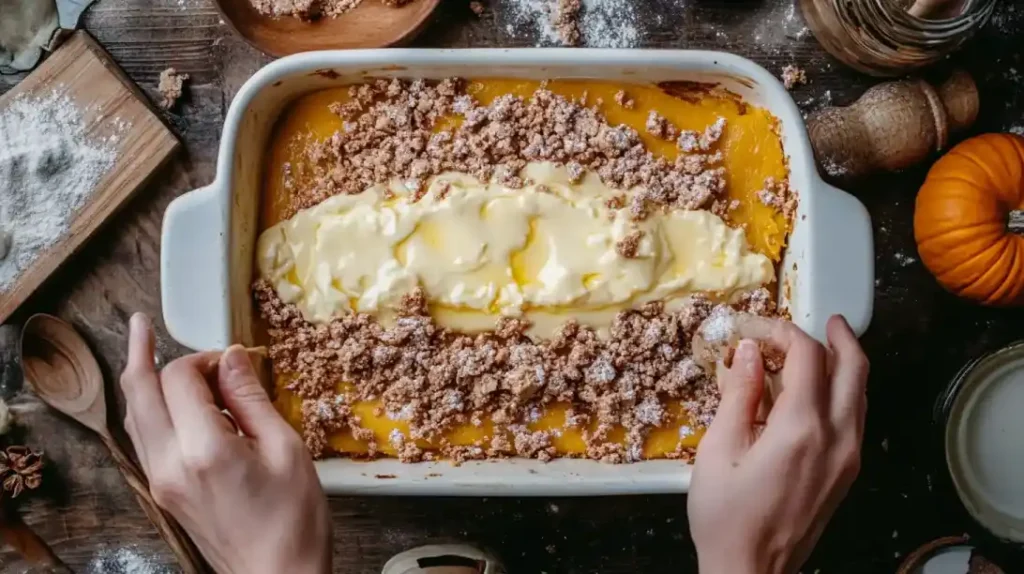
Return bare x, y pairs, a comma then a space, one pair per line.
371, 24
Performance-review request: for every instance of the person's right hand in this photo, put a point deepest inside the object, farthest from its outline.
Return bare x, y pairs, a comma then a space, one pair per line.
760, 500
251, 502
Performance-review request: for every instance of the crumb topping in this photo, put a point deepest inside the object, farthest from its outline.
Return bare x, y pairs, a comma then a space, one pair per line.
660, 127
313, 9
793, 76
435, 379
170, 87
566, 22
390, 134
777, 194
623, 99
629, 245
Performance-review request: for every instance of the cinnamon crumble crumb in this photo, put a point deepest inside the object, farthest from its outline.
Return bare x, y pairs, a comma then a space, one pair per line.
629, 245
660, 127
616, 202
777, 194
624, 100
171, 87
566, 21
793, 76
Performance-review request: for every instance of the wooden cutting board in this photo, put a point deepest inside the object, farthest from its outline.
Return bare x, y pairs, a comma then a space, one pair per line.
111, 104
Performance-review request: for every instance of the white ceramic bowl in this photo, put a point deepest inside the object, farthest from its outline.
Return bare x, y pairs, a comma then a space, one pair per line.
209, 235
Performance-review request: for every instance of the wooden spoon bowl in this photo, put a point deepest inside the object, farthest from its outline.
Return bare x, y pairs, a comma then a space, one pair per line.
371, 24
63, 371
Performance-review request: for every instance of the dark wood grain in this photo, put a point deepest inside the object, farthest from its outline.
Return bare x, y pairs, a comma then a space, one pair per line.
919, 338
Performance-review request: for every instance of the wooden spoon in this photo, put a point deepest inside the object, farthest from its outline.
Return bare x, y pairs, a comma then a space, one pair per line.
371, 24
62, 370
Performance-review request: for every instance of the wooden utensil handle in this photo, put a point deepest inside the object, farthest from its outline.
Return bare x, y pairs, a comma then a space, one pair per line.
892, 126
189, 557
28, 544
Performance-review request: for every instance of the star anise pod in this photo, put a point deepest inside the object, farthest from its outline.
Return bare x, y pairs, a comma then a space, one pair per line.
21, 468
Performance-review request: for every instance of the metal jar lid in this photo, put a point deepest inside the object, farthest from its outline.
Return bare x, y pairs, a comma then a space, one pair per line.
984, 440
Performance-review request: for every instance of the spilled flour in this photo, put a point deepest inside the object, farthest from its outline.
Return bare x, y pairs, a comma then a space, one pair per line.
610, 24
595, 23
126, 560
777, 23
48, 168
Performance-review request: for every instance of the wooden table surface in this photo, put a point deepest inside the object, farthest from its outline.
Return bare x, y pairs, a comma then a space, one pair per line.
919, 338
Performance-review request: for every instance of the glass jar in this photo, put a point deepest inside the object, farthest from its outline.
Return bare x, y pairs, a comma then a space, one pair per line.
886, 37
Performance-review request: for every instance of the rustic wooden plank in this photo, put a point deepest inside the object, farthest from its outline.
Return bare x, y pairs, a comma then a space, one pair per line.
920, 337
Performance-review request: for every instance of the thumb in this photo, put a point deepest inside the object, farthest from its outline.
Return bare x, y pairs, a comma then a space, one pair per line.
243, 395
741, 385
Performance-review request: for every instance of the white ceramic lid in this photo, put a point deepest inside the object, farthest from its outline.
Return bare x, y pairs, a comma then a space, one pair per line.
985, 443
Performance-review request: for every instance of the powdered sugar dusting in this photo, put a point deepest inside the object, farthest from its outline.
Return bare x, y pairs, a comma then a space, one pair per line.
533, 15
832, 168
649, 411
904, 260
1007, 18
610, 24
720, 325
126, 560
781, 24
49, 167
396, 438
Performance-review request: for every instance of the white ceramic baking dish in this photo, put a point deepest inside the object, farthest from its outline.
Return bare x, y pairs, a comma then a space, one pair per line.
209, 234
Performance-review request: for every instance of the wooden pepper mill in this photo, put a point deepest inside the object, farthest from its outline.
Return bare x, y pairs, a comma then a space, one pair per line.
892, 126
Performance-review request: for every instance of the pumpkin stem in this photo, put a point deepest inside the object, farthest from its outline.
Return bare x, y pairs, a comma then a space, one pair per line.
1016, 222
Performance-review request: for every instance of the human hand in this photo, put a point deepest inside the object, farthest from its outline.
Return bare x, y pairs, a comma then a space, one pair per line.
251, 503
759, 500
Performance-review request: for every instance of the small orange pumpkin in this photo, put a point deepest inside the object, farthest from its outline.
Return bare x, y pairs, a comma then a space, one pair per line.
969, 219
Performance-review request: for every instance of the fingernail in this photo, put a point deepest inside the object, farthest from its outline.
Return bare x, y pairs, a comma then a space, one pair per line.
746, 356
138, 322
237, 360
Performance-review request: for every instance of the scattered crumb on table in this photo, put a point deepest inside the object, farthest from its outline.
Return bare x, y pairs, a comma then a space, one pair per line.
170, 88
793, 76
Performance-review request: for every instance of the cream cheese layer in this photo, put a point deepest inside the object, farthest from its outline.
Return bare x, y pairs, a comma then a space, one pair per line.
546, 252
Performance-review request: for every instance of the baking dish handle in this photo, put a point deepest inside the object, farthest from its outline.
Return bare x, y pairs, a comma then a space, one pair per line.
844, 265
193, 273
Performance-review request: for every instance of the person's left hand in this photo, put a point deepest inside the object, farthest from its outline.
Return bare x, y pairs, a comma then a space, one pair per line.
251, 502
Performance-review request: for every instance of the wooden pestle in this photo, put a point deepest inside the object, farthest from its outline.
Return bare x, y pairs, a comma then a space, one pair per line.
892, 126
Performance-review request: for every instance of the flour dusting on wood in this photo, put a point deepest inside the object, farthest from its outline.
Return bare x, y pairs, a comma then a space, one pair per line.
777, 25
49, 167
592, 23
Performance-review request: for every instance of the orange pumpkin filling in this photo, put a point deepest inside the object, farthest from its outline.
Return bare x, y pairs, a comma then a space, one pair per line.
751, 155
